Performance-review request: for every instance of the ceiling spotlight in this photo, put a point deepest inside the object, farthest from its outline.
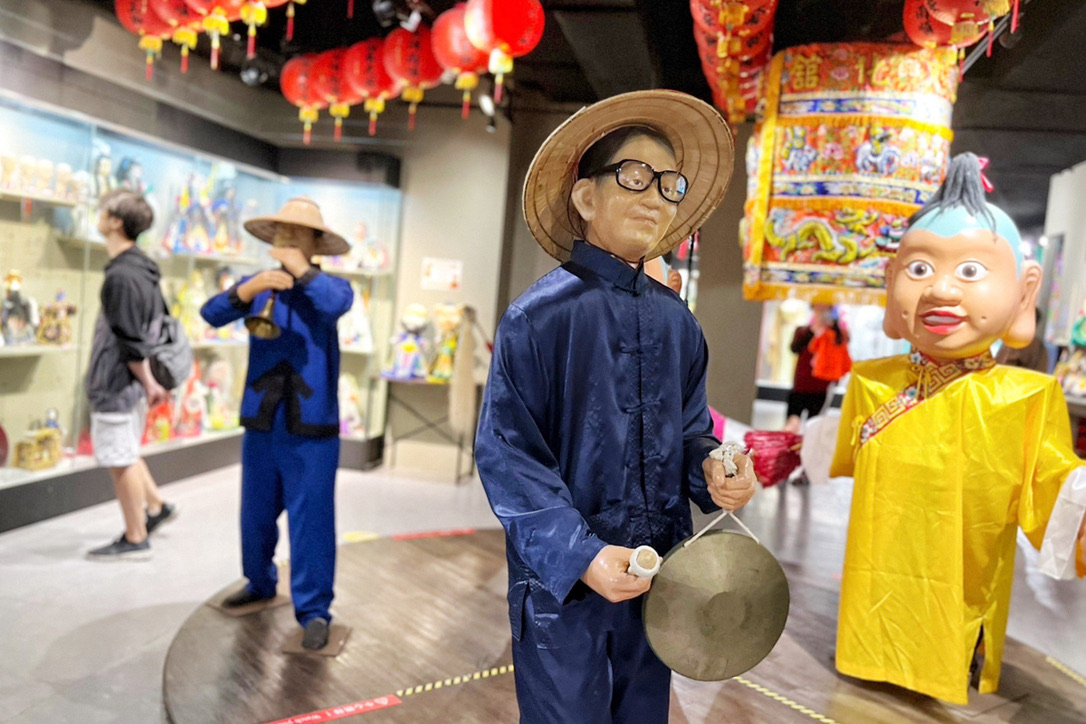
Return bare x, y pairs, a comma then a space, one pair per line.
253, 74
486, 104
491, 127
385, 10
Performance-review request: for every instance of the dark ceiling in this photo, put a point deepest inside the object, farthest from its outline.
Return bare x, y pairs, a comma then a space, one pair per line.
1025, 108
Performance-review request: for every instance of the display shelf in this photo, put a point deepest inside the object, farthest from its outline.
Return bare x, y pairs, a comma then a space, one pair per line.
79, 242
34, 350
355, 273
220, 344
356, 436
359, 351
19, 196
1076, 405
218, 258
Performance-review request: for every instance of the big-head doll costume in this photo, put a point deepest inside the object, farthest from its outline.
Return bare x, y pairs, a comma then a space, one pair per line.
951, 453
290, 411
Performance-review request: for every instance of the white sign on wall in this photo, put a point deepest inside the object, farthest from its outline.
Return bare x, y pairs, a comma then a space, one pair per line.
443, 275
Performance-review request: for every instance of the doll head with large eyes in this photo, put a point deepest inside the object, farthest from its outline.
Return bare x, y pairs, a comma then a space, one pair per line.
959, 283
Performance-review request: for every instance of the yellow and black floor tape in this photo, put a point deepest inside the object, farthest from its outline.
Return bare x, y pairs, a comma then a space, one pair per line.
786, 701
455, 681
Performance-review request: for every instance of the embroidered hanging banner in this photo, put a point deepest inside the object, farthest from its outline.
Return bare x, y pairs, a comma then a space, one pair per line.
854, 139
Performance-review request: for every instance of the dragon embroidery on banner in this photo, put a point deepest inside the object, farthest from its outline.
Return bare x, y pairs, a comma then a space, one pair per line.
828, 245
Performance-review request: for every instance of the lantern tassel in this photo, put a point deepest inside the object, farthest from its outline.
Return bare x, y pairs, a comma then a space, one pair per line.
411, 112
991, 37
215, 52
373, 122
350, 9
465, 110
339, 129
1014, 18
184, 59
250, 52
150, 64
307, 134
498, 88
290, 22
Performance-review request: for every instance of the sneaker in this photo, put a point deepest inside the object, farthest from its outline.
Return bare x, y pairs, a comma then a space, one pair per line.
316, 634
168, 513
243, 598
122, 549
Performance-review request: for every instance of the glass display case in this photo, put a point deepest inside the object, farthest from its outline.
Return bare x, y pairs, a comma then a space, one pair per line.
53, 168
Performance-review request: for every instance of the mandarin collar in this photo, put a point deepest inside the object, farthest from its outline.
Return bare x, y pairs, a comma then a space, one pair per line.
611, 268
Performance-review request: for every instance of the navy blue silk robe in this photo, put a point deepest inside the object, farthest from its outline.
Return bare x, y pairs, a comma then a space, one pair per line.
593, 431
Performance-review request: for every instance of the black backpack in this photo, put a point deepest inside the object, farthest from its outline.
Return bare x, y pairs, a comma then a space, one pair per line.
171, 354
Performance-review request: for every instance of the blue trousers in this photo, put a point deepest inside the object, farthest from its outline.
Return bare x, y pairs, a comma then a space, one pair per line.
602, 677
280, 471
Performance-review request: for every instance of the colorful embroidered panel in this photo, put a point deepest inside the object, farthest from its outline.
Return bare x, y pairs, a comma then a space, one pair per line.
855, 138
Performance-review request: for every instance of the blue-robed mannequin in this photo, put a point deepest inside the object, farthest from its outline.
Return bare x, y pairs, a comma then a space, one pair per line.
593, 439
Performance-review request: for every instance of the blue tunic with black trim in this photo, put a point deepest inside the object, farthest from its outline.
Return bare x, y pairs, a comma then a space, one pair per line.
593, 430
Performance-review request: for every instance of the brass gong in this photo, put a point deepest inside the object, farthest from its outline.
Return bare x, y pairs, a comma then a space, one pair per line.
717, 607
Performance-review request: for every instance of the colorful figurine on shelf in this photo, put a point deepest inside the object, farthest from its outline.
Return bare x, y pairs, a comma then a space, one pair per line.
222, 409
355, 332
190, 298
408, 361
19, 313
52, 419
447, 321
159, 426
102, 181
236, 330
9, 172
192, 406
56, 321
225, 220
63, 188
351, 421
28, 172
1078, 331
371, 254
39, 449
130, 175
44, 177
951, 453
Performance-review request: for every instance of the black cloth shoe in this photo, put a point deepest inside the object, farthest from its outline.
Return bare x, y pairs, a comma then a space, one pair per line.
168, 513
122, 549
243, 598
316, 634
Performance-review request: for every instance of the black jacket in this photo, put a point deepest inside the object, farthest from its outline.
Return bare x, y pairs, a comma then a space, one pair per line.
131, 299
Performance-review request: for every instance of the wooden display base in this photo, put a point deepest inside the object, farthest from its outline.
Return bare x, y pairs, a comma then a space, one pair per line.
436, 647
282, 598
337, 639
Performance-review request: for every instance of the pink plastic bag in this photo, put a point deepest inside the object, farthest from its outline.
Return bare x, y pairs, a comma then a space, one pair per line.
718, 423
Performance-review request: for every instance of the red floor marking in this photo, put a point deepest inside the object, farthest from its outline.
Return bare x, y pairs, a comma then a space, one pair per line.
341, 712
434, 534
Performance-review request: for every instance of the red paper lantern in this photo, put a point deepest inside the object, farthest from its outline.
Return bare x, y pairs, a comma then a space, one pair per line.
926, 31
409, 58
138, 18
505, 29
366, 74
967, 18
295, 80
455, 52
185, 22
217, 16
329, 78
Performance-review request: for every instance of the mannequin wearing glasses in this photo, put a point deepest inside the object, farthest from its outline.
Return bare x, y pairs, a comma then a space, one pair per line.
593, 439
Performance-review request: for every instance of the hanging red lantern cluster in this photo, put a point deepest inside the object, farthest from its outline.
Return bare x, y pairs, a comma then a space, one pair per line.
505, 29
955, 23
735, 42
185, 23
296, 82
139, 18
409, 59
366, 74
329, 78
455, 53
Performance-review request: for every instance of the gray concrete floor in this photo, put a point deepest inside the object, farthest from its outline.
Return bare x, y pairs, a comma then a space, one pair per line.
86, 642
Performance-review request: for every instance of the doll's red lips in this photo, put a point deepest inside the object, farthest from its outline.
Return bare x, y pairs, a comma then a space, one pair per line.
941, 321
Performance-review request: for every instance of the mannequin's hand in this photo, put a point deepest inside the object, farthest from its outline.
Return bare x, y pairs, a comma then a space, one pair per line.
607, 575
269, 279
292, 259
730, 493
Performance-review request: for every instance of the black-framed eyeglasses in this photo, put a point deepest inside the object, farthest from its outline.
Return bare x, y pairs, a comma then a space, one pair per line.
638, 176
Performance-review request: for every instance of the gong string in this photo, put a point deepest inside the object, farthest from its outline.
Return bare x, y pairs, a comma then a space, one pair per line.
716, 520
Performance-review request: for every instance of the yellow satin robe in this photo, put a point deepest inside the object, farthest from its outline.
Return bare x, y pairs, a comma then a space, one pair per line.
938, 495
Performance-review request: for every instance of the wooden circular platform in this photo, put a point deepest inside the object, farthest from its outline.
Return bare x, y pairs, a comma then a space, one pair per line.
430, 642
